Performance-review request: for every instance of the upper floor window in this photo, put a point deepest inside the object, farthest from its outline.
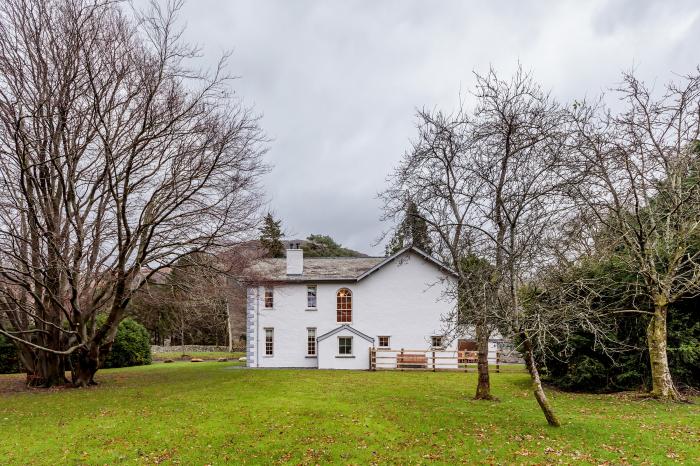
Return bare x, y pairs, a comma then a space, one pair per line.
269, 297
436, 341
344, 305
383, 341
311, 297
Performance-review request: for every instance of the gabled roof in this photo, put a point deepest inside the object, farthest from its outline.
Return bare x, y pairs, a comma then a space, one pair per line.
329, 269
316, 269
420, 252
349, 329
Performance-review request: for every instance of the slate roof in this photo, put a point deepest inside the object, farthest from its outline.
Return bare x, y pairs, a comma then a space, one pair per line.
316, 269
319, 269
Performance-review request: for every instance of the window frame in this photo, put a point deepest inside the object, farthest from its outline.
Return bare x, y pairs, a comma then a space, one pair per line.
271, 290
343, 315
441, 340
269, 342
388, 341
311, 341
345, 338
315, 297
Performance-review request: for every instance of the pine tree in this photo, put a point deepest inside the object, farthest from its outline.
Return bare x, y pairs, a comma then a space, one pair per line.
413, 230
271, 236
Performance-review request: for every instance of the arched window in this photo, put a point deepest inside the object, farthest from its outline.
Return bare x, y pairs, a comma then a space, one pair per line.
344, 305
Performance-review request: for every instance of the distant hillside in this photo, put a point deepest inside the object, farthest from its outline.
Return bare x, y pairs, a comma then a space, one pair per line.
322, 246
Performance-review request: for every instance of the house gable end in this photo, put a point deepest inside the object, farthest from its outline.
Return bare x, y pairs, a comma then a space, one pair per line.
424, 255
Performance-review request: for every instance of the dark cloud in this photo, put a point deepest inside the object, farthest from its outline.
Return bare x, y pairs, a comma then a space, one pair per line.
338, 81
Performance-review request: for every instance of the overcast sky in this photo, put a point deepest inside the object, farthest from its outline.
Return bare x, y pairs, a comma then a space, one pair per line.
338, 82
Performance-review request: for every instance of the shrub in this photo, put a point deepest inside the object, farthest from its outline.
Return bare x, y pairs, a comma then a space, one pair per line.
588, 369
132, 346
9, 362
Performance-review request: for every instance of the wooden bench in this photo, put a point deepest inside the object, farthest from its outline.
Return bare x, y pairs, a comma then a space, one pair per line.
411, 361
467, 357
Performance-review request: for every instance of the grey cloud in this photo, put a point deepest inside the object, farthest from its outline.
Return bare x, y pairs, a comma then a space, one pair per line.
338, 81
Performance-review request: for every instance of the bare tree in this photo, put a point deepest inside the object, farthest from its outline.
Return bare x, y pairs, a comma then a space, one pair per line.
436, 176
490, 185
640, 169
520, 132
116, 154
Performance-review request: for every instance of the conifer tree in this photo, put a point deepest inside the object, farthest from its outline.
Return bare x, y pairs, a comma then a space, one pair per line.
271, 236
412, 230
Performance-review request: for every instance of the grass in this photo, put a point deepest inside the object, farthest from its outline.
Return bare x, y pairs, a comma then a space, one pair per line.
215, 413
206, 355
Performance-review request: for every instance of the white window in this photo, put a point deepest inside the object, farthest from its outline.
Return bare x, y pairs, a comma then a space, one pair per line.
269, 297
311, 297
345, 346
311, 342
436, 341
383, 341
269, 341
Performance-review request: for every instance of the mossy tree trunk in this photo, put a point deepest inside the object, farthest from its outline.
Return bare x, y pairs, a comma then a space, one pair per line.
662, 383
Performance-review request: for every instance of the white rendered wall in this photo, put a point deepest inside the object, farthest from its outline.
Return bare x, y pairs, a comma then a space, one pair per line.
404, 300
328, 357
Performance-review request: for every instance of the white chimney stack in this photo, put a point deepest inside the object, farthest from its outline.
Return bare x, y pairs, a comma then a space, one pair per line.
295, 261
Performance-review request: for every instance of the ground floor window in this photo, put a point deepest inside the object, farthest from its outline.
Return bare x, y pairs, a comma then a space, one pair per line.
383, 341
269, 341
345, 345
436, 341
311, 342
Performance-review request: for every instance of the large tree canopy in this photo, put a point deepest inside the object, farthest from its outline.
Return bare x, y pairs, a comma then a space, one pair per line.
117, 157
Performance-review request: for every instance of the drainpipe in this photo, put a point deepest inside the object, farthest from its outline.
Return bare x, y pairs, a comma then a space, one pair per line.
257, 327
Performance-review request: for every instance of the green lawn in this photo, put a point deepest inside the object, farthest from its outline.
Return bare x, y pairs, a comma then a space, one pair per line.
214, 413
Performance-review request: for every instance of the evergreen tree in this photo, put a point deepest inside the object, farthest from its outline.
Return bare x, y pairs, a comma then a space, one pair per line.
413, 229
325, 246
271, 236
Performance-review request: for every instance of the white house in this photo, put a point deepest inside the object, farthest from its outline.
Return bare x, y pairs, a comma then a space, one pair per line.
327, 312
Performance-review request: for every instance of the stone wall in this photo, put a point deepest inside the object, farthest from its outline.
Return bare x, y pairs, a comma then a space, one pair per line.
191, 349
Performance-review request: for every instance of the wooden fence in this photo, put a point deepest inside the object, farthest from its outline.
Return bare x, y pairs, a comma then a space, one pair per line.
426, 360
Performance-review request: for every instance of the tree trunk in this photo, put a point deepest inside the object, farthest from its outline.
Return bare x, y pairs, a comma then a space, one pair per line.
662, 384
483, 386
542, 400
48, 371
85, 367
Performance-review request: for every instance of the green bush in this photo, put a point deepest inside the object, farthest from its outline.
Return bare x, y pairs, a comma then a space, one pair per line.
9, 362
132, 346
588, 369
